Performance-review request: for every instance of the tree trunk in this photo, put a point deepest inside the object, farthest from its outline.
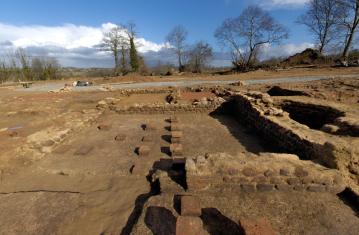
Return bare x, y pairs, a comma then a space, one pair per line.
180, 66
348, 45
115, 54
123, 60
349, 41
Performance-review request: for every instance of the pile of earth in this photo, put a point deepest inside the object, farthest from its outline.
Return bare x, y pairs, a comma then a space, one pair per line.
307, 57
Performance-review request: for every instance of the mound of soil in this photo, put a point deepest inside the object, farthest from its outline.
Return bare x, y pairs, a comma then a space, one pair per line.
307, 57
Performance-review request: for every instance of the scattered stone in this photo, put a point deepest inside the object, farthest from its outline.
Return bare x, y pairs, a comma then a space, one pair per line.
256, 227
104, 127
84, 150
190, 206
61, 149
188, 225
120, 137
143, 151
48, 143
330, 128
13, 134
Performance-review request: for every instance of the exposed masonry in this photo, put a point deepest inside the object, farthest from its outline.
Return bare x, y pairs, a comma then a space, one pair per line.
222, 173
258, 111
276, 126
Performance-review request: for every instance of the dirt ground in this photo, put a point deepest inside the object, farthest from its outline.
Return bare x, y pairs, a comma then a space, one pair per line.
63, 171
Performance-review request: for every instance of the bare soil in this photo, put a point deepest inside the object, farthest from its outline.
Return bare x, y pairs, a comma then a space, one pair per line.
90, 183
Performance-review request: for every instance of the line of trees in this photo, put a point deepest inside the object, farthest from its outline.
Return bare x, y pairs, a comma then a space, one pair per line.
18, 66
332, 23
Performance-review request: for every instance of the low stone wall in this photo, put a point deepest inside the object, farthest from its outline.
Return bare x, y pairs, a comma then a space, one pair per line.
166, 109
222, 173
258, 111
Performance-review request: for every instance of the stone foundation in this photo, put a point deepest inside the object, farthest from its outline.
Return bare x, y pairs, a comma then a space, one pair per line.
222, 173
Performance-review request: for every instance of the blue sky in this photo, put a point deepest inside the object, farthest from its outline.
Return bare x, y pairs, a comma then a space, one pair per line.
154, 18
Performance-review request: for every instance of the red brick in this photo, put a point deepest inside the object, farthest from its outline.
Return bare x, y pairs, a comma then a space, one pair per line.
187, 225
190, 206
256, 227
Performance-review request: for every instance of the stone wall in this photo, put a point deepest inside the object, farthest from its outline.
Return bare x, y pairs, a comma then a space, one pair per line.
257, 110
223, 173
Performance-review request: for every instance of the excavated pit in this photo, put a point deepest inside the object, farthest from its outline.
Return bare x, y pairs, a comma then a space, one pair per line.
313, 116
279, 91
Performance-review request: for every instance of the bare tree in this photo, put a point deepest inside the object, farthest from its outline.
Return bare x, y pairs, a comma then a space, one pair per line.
200, 55
24, 61
116, 42
246, 34
177, 38
45, 68
350, 22
322, 19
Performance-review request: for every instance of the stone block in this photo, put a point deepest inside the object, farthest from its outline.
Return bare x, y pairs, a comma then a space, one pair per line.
284, 187
175, 140
300, 172
150, 126
256, 227
262, 187
188, 225
293, 181
143, 150
174, 119
249, 172
249, 188
176, 150
197, 184
84, 150
104, 127
120, 137
177, 134
284, 172
190, 206
316, 188
176, 127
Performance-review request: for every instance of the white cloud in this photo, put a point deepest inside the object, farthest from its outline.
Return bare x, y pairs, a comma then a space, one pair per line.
68, 36
284, 50
284, 3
